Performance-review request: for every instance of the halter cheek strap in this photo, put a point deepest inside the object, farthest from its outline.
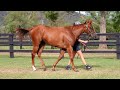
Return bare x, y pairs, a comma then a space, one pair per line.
88, 30
87, 27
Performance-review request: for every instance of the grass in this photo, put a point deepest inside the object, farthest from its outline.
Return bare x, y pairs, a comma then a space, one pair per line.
105, 66
25, 47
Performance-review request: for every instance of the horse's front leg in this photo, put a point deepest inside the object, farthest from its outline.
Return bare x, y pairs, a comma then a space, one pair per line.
41, 47
71, 55
62, 51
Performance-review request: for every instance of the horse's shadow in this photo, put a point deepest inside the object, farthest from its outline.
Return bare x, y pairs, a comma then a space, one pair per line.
63, 66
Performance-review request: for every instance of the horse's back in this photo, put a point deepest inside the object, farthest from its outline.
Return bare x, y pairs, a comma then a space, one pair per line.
52, 35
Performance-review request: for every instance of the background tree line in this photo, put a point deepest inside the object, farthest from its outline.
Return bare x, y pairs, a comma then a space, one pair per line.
26, 19
103, 21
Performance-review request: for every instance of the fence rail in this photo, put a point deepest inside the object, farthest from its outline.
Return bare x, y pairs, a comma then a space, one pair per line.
113, 39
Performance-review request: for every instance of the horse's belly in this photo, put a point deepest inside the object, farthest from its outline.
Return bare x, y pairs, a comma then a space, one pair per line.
58, 40
55, 43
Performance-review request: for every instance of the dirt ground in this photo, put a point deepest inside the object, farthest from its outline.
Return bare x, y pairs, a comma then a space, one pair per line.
66, 54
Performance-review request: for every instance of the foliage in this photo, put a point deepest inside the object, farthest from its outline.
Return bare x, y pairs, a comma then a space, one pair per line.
116, 20
56, 18
112, 20
95, 16
52, 16
25, 19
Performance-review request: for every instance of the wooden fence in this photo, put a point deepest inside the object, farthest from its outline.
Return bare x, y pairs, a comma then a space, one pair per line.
113, 39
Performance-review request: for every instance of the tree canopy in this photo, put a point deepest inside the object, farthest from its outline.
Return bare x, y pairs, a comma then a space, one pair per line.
28, 19
24, 19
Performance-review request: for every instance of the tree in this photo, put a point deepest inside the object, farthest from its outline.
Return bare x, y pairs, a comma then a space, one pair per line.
116, 20
52, 16
103, 29
100, 18
25, 19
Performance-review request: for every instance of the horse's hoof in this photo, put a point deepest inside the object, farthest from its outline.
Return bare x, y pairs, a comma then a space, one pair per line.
44, 69
53, 69
76, 70
34, 69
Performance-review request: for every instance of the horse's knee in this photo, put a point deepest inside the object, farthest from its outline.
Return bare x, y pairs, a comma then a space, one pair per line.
39, 53
33, 55
71, 57
35, 49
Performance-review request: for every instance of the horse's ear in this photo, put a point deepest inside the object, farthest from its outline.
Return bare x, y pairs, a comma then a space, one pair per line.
88, 22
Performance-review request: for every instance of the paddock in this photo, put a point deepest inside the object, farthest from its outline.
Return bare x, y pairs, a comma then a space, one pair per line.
106, 65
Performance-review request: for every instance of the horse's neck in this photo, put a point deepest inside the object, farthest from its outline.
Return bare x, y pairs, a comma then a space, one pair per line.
77, 32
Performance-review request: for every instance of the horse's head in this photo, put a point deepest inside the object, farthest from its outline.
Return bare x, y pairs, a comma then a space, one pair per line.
89, 28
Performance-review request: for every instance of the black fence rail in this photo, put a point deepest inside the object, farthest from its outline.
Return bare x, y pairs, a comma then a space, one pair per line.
113, 39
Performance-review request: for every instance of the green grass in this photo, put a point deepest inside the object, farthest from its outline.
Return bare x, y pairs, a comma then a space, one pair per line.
104, 67
25, 47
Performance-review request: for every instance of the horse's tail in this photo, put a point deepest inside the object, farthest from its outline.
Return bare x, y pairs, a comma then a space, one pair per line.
20, 33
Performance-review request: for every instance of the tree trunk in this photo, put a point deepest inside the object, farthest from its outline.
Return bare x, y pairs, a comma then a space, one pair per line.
102, 29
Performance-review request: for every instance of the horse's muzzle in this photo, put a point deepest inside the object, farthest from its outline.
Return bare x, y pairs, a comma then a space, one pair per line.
94, 35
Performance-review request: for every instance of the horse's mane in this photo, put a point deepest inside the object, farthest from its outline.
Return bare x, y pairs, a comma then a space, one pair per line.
73, 27
22, 32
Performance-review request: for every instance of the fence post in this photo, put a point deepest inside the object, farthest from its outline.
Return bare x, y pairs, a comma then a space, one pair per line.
20, 44
118, 46
11, 45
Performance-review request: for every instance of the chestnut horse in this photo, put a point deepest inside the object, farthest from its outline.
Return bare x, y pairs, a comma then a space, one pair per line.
61, 37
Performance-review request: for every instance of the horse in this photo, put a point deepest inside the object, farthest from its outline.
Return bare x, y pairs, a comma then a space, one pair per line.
61, 37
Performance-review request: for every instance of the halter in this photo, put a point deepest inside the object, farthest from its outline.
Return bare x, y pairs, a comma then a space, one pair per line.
85, 46
90, 30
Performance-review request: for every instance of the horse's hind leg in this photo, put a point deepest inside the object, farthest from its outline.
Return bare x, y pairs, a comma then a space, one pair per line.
34, 51
41, 47
62, 51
